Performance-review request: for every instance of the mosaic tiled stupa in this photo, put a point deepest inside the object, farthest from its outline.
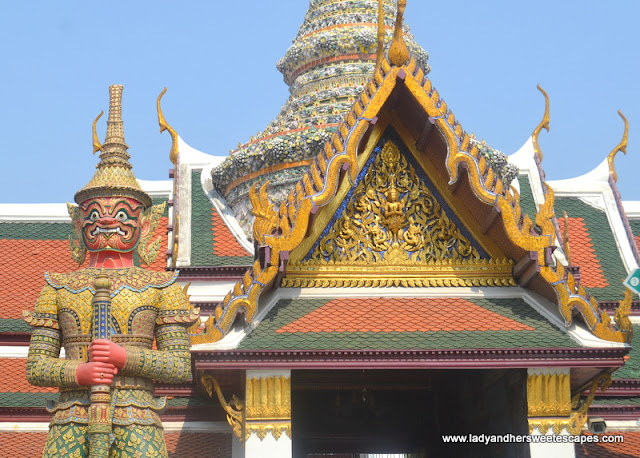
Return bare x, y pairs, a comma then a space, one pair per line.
331, 59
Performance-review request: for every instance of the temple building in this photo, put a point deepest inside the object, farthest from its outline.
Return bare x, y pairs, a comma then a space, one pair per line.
372, 279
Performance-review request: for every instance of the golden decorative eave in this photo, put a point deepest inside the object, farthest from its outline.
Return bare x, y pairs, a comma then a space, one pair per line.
549, 395
268, 406
265, 410
464, 273
551, 406
622, 146
288, 225
544, 124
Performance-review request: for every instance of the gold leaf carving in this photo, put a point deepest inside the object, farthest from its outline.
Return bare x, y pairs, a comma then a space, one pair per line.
392, 219
394, 232
268, 398
148, 249
579, 416
268, 406
77, 247
234, 409
549, 395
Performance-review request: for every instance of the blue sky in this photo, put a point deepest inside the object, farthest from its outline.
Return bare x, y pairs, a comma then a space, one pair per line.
218, 61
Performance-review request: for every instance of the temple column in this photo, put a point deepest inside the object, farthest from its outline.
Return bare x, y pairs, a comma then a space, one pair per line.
268, 414
549, 411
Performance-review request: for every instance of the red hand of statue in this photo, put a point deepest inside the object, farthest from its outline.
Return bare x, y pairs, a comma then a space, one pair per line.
98, 373
106, 351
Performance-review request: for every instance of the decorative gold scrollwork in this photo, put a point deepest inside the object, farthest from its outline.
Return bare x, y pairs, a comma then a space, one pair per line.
393, 218
549, 395
78, 249
266, 216
148, 249
268, 406
543, 425
235, 409
579, 416
394, 232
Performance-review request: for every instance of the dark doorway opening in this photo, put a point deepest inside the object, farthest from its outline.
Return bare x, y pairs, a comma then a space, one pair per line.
352, 413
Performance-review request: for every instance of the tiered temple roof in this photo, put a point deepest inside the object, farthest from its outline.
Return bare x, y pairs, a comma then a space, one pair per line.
326, 68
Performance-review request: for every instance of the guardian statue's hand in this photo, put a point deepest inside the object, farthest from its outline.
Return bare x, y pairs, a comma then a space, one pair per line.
95, 373
106, 351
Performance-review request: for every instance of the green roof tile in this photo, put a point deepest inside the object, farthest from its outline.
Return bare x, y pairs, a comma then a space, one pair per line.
35, 231
159, 200
190, 402
617, 401
14, 325
26, 399
631, 367
527, 203
40, 400
286, 311
202, 236
604, 245
635, 226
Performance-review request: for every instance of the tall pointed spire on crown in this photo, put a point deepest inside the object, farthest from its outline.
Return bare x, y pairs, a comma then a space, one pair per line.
114, 148
114, 176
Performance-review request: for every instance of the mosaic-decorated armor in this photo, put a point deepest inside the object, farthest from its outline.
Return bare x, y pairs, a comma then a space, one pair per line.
144, 305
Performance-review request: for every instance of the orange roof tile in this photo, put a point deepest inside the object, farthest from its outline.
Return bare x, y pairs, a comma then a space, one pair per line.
22, 267
583, 254
23, 444
200, 444
161, 261
23, 263
224, 242
402, 315
14, 378
627, 449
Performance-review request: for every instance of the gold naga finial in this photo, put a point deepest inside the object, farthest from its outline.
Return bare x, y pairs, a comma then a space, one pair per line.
544, 124
173, 154
398, 52
622, 146
565, 241
381, 33
97, 146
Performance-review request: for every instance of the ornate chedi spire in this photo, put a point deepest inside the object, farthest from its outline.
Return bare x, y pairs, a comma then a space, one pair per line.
114, 176
331, 59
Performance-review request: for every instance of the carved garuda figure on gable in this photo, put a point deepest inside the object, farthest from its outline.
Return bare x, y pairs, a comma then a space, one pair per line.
107, 315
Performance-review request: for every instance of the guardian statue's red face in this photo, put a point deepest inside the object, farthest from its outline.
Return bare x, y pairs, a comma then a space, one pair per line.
112, 224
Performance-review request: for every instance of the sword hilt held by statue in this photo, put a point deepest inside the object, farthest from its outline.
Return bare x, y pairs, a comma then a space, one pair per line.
100, 414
